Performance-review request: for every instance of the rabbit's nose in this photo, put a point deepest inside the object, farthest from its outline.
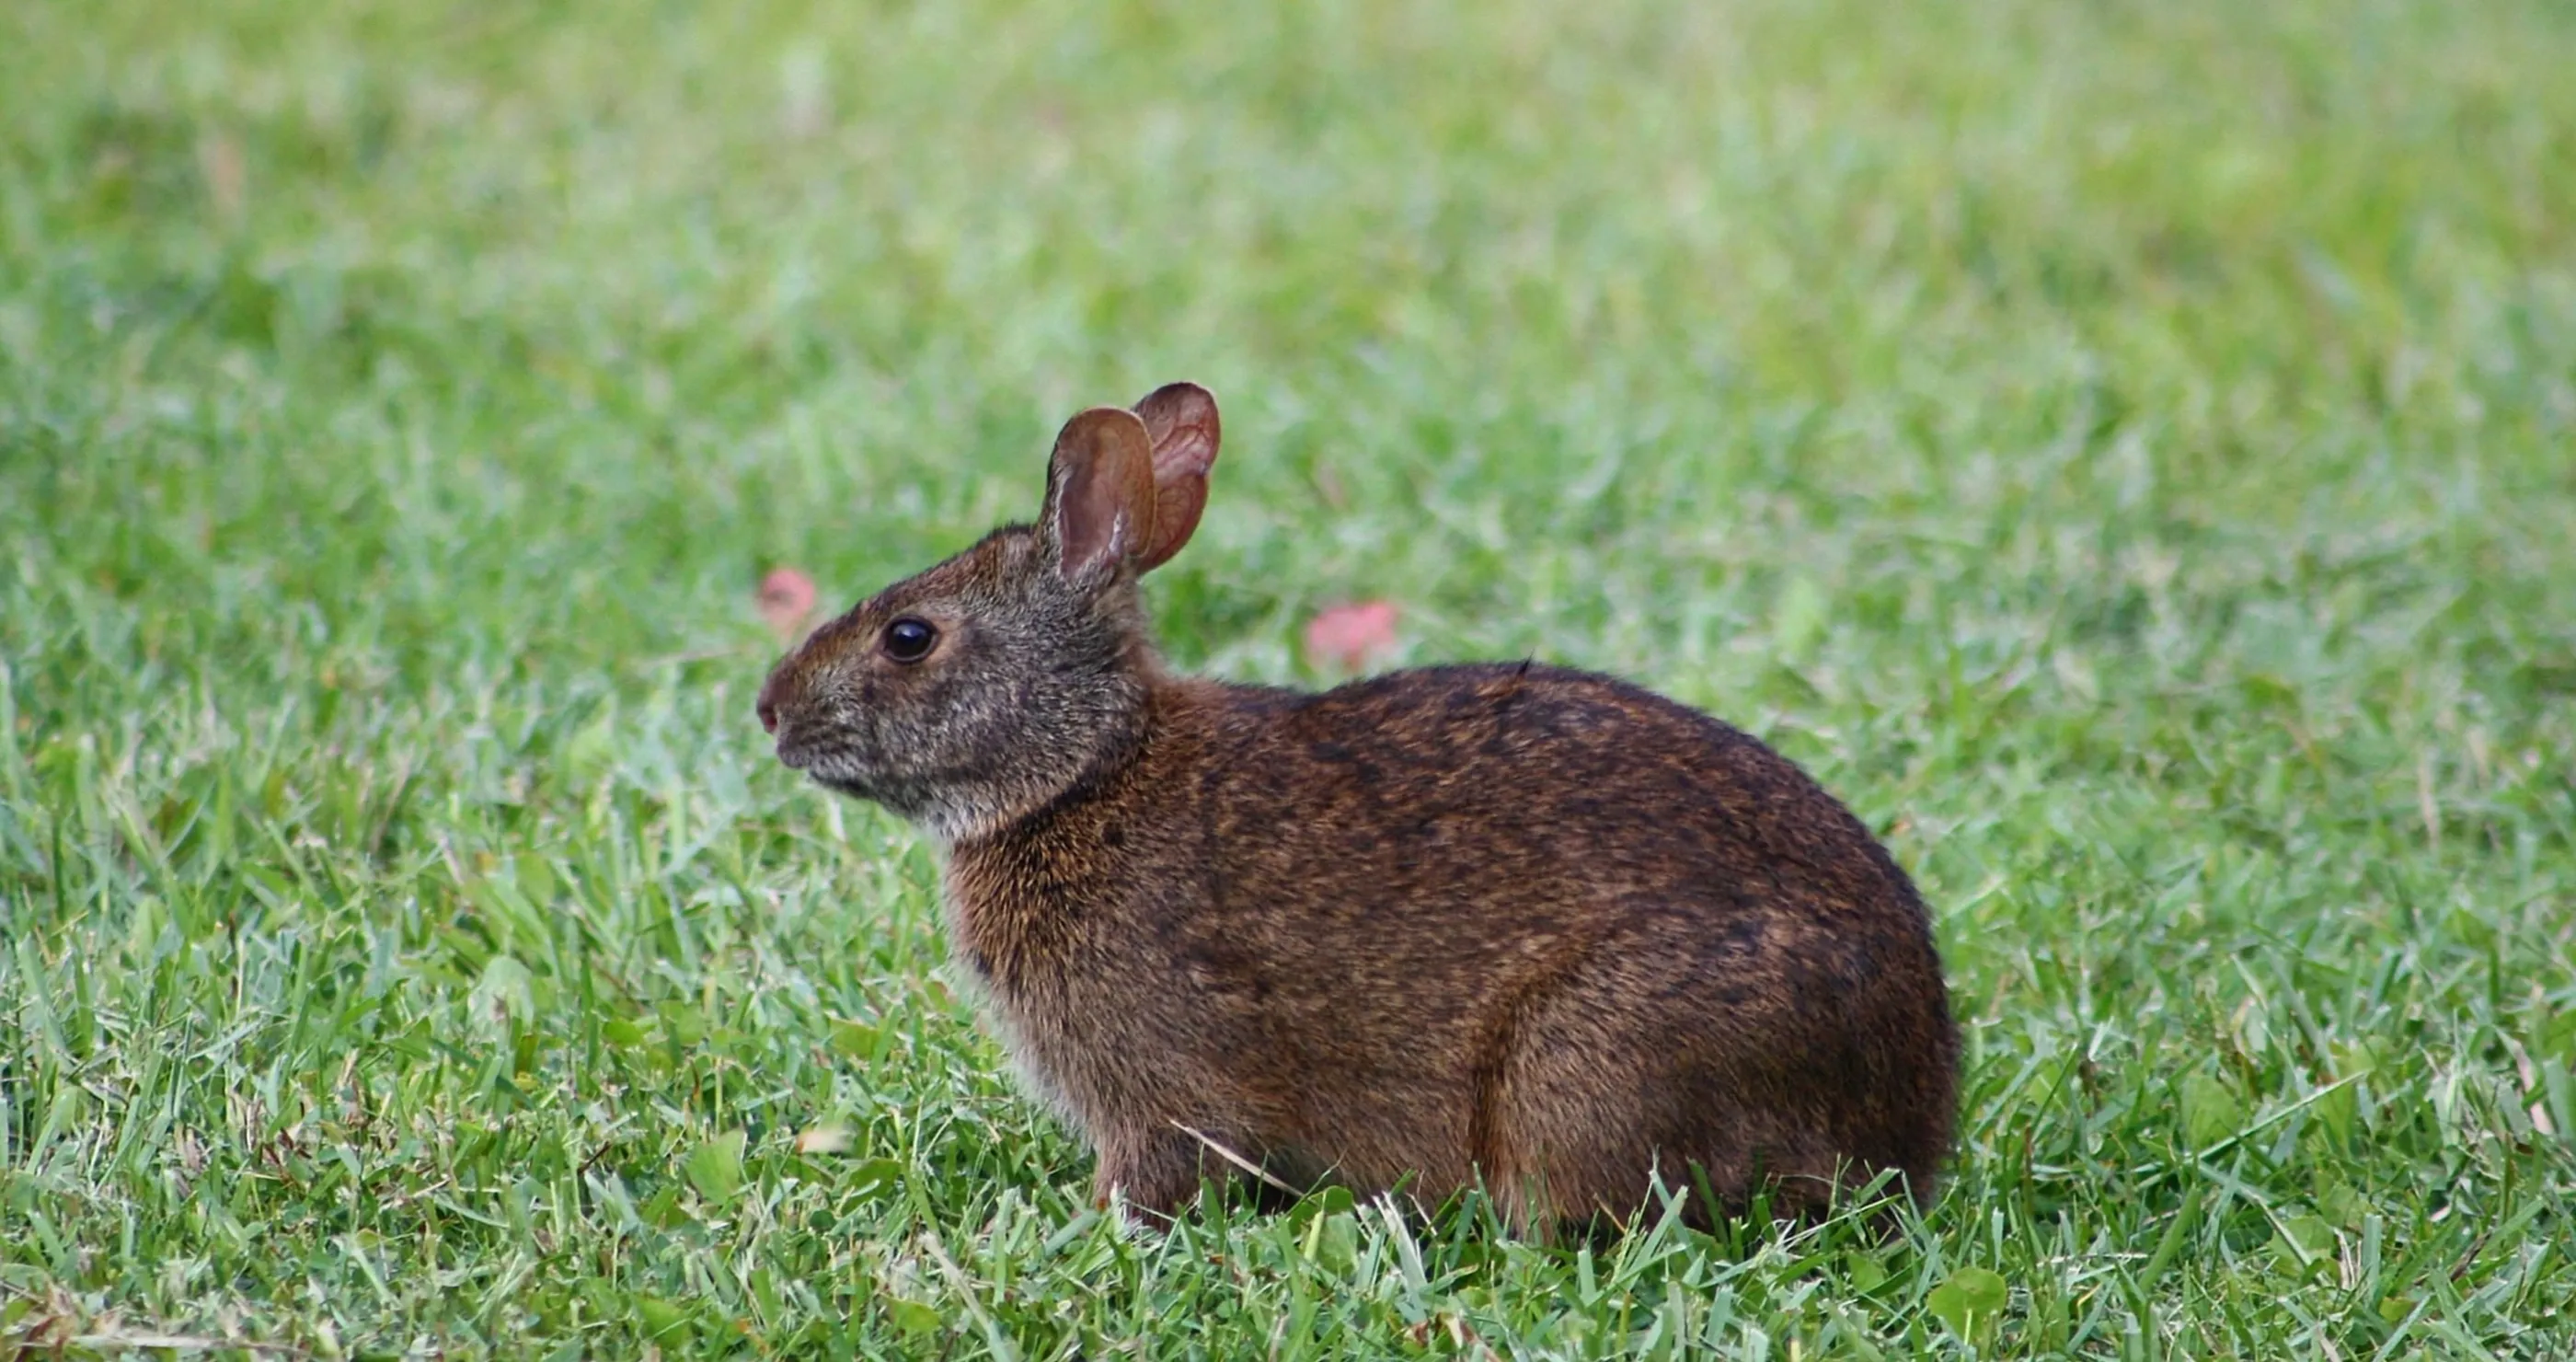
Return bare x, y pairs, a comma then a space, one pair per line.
768, 705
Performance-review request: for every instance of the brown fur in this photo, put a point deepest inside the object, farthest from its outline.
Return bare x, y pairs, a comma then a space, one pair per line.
1507, 924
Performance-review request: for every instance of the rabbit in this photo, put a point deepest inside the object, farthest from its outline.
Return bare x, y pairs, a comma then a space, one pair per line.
1501, 926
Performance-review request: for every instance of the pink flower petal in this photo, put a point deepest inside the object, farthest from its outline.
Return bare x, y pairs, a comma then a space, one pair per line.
1348, 637
786, 600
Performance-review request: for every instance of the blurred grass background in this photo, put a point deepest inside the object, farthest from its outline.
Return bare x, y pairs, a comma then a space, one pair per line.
2125, 449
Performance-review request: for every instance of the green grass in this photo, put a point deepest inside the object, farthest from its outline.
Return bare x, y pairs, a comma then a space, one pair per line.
2128, 450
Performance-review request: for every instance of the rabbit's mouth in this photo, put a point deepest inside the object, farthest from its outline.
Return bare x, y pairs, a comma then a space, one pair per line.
802, 753
826, 754
817, 761
818, 770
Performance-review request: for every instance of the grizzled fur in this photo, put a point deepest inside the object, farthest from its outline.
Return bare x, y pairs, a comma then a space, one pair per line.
1500, 924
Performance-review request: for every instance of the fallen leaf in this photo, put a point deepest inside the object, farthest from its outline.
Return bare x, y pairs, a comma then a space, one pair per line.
806, 83
786, 600
822, 1140
506, 992
1800, 618
2210, 1112
858, 1040
659, 1317
715, 1168
1348, 637
875, 1173
1970, 1301
226, 173
1328, 485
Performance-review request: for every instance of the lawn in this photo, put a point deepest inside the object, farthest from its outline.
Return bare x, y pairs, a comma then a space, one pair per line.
2127, 450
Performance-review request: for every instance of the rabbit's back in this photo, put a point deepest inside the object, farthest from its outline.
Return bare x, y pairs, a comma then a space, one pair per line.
1505, 921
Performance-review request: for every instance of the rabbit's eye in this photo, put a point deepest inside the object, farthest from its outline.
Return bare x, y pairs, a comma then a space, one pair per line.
909, 640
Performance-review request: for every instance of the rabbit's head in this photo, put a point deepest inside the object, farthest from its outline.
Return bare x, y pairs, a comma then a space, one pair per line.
977, 691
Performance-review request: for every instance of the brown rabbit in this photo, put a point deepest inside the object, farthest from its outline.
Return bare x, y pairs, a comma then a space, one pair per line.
1507, 924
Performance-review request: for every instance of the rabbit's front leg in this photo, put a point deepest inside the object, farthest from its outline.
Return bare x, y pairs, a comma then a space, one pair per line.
1157, 1171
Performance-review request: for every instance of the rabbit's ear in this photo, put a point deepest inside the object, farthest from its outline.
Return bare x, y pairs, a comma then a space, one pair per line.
1180, 419
1100, 494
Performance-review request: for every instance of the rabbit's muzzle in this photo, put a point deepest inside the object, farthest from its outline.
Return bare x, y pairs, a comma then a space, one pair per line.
779, 706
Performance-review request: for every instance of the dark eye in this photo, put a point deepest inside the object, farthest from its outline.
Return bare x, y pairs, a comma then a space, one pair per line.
909, 640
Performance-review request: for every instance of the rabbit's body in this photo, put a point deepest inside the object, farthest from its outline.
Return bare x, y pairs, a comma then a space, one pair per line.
1370, 947
1505, 924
